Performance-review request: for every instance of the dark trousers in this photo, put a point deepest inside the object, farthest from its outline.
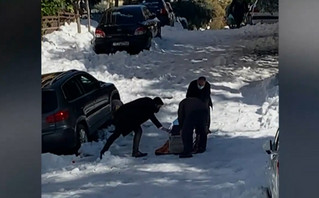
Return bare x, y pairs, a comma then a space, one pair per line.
196, 120
117, 133
208, 120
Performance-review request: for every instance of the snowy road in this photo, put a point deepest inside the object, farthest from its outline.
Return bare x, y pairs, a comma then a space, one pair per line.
240, 65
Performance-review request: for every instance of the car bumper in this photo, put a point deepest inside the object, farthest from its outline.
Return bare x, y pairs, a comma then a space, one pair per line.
119, 43
58, 140
263, 19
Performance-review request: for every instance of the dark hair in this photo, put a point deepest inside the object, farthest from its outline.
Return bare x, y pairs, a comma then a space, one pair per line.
158, 101
202, 78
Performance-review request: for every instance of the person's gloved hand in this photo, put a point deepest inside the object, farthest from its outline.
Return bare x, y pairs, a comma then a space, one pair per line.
165, 129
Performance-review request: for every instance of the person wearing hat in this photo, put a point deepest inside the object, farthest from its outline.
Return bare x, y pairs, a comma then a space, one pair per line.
200, 89
129, 117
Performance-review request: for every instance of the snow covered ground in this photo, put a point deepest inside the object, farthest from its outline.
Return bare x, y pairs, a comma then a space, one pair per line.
242, 67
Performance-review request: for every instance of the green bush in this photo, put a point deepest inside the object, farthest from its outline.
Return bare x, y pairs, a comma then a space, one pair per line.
52, 7
197, 12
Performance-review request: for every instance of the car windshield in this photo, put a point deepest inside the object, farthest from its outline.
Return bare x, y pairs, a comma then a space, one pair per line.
150, 2
123, 16
49, 101
153, 5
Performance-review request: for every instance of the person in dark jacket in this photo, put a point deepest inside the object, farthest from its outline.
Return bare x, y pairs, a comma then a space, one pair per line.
129, 117
193, 114
200, 89
238, 8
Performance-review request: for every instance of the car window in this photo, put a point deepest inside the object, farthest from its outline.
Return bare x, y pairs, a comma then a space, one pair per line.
88, 83
153, 4
123, 16
152, 1
147, 13
49, 101
71, 90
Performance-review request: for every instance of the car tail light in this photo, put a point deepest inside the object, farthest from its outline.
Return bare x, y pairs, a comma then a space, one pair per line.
140, 31
57, 117
99, 33
256, 9
278, 167
163, 11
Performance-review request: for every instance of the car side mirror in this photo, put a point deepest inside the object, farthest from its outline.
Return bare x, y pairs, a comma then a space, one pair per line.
267, 146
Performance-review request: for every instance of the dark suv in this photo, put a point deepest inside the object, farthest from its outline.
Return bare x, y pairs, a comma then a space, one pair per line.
74, 106
161, 9
128, 27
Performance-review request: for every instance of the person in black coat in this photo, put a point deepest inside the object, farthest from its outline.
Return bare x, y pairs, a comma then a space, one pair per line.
238, 8
193, 114
129, 117
200, 89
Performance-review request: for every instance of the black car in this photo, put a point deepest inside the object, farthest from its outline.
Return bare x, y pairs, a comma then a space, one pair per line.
128, 27
262, 11
272, 149
74, 106
159, 7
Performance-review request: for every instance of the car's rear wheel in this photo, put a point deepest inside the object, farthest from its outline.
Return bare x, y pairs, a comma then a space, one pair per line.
159, 33
172, 23
148, 42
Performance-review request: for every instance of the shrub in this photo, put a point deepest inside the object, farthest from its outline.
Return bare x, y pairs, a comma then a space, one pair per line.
197, 12
52, 7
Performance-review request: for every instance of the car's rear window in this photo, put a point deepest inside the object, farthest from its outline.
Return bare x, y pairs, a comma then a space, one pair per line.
122, 16
49, 101
151, 1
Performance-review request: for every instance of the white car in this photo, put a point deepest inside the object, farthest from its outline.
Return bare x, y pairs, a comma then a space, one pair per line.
262, 11
272, 148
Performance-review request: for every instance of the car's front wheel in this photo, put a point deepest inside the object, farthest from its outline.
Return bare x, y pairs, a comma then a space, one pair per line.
82, 137
115, 105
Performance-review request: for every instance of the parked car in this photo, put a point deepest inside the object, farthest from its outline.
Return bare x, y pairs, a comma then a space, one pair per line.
159, 7
96, 15
74, 106
272, 149
128, 27
262, 11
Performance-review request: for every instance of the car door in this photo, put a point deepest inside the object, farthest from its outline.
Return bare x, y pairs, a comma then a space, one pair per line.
79, 104
88, 85
99, 97
102, 103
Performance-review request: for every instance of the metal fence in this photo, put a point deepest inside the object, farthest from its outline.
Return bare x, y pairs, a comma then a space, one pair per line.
52, 23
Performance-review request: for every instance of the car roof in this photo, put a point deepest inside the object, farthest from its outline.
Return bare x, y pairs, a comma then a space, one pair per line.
128, 7
50, 80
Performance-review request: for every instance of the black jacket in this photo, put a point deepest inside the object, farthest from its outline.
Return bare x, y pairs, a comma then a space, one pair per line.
192, 107
131, 115
238, 9
202, 94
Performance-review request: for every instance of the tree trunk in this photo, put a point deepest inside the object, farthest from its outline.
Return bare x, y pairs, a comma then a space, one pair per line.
77, 15
89, 15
